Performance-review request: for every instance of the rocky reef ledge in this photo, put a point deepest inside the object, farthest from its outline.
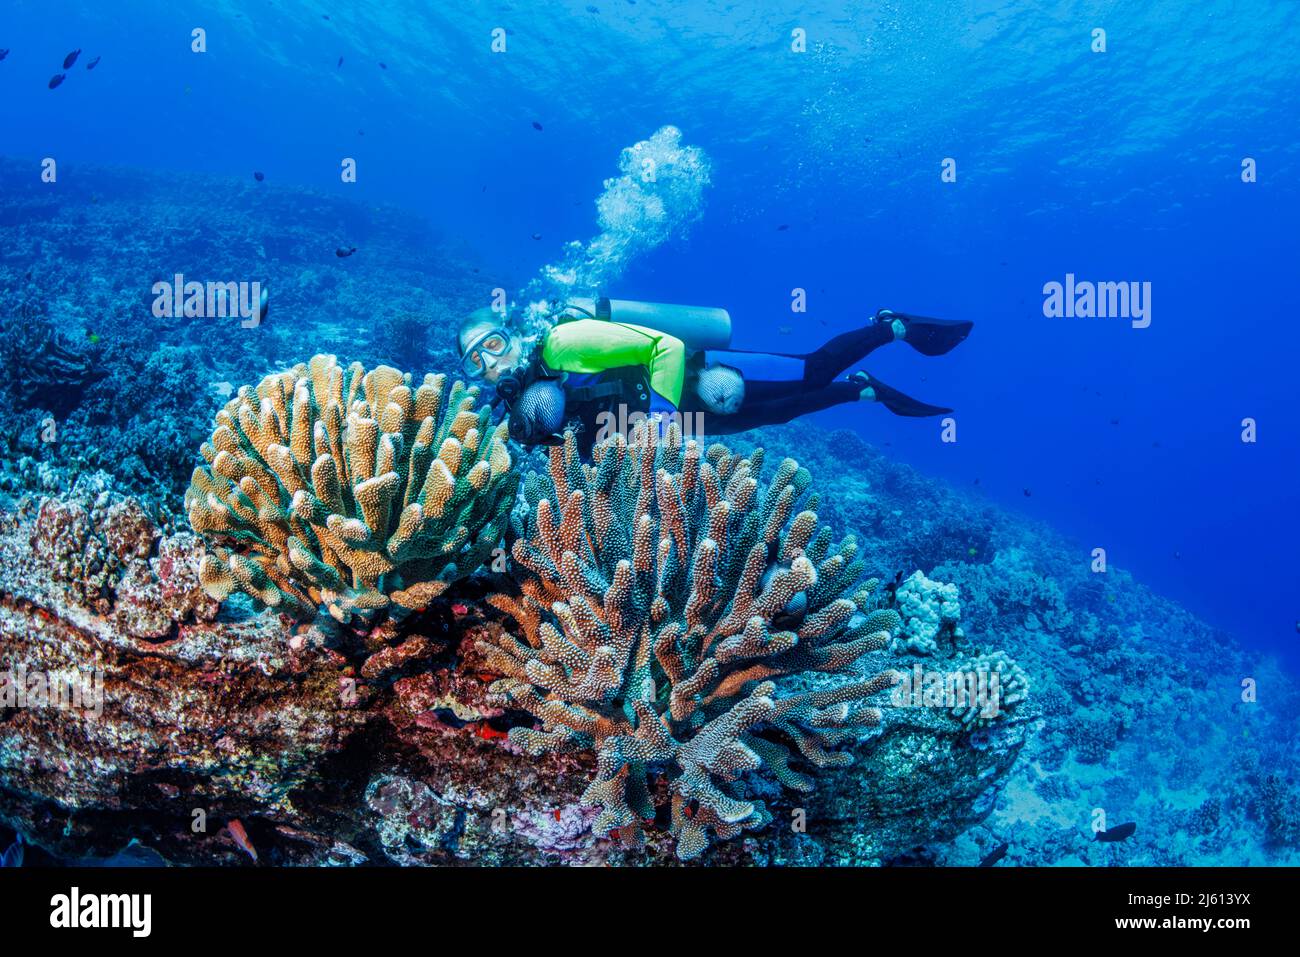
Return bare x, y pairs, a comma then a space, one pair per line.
220, 735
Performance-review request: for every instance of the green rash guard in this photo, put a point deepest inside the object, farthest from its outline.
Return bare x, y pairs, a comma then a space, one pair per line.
597, 345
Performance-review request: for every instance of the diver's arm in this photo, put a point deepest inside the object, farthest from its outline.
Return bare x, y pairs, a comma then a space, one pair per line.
596, 345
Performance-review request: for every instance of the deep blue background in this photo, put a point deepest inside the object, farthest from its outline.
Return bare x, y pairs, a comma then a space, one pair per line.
1122, 165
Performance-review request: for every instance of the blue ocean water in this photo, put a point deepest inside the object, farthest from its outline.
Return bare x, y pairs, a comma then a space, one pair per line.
819, 169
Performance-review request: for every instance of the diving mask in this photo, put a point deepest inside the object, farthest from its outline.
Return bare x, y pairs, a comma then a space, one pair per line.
494, 343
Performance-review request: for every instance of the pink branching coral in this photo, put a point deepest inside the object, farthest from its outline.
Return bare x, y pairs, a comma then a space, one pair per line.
667, 604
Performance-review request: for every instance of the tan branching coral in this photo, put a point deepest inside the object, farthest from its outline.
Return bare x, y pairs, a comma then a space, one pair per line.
349, 490
672, 611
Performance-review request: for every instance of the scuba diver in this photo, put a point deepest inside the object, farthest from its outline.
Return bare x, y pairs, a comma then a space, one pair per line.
607, 359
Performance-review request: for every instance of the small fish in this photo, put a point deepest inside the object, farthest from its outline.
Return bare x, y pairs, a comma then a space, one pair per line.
240, 836
57, 79
995, 855
345, 253
1114, 421
94, 337
3, 54
537, 235
1119, 832
259, 175
70, 59
324, 16
340, 63
223, 389
93, 63
537, 126
459, 610
383, 66
783, 227
1027, 493
489, 733
13, 855
592, 9
263, 304
786, 330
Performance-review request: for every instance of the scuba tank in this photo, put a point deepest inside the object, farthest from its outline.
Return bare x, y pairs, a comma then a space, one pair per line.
699, 327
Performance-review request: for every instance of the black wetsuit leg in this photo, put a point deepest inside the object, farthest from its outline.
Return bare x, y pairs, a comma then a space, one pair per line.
819, 367
751, 414
811, 382
847, 349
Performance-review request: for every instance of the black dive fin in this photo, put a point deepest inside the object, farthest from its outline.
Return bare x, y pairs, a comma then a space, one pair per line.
932, 337
897, 402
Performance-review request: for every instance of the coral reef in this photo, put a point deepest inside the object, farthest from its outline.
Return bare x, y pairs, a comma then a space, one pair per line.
929, 610
350, 490
1011, 690
1121, 679
1279, 807
1137, 707
664, 598
252, 717
221, 717
246, 716
167, 701
82, 259
47, 370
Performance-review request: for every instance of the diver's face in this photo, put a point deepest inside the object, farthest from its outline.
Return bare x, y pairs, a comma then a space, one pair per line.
493, 355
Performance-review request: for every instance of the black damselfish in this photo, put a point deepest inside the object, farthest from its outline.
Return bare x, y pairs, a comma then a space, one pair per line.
995, 855
1119, 832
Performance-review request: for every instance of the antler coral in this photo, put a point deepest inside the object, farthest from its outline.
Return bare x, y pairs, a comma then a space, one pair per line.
664, 596
349, 489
